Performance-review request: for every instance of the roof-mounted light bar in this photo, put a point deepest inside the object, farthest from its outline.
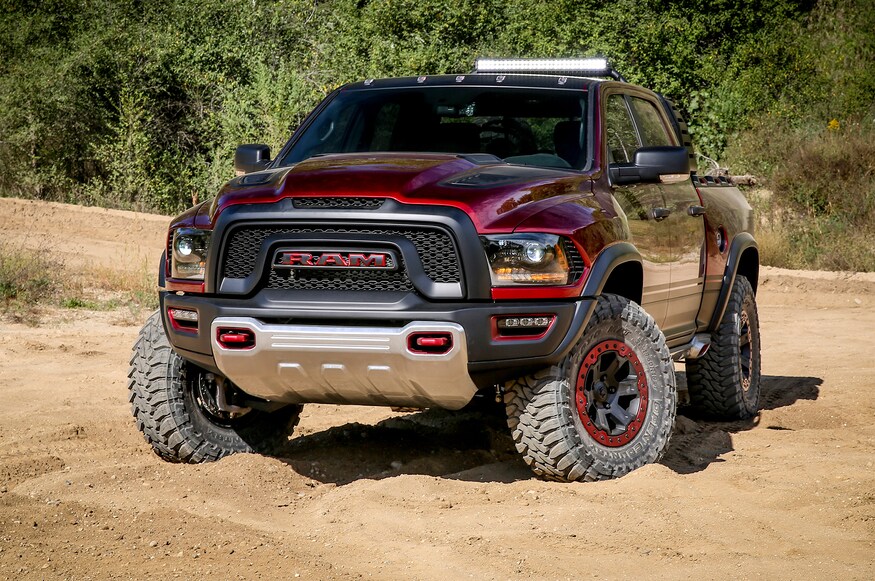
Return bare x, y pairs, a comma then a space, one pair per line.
596, 67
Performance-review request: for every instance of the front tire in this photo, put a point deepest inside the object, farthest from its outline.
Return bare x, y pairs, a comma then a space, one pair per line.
606, 409
177, 416
724, 383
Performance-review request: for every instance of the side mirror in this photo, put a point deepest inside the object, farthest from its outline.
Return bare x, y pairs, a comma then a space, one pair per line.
251, 157
649, 164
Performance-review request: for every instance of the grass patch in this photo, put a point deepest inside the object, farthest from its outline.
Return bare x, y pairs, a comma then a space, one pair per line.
78, 303
31, 280
104, 289
26, 275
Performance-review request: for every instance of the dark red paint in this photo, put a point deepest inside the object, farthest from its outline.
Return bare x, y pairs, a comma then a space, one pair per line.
419, 178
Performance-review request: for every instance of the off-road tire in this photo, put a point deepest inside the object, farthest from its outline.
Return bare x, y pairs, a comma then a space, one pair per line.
174, 424
542, 409
724, 384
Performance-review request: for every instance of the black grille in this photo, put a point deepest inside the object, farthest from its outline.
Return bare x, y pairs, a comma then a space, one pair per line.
435, 248
353, 280
338, 203
576, 265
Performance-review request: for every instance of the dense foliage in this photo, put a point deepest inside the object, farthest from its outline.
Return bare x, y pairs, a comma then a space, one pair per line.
140, 104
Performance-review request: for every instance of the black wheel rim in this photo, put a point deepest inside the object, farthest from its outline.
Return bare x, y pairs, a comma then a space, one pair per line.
745, 351
611, 393
203, 394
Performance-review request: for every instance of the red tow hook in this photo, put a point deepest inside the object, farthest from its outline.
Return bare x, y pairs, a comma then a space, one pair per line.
429, 343
235, 338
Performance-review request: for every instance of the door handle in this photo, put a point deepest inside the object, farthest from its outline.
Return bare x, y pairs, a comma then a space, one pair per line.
696, 211
660, 214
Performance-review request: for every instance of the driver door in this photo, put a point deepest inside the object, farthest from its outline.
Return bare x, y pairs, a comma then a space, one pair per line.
684, 223
645, 207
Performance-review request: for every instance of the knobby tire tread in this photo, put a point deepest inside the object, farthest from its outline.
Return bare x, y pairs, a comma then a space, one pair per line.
714, 380
156, 395
541, 420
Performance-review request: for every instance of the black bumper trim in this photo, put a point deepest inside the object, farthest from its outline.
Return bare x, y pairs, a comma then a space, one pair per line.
491, 360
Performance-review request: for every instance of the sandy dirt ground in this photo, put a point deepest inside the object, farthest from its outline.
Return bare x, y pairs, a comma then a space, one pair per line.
368, 493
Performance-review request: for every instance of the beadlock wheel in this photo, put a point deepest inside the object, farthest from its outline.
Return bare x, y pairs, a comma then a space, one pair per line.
203, 394
606, 409
611, 393
745, 359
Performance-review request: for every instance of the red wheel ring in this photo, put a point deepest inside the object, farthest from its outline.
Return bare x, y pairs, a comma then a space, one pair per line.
611, 402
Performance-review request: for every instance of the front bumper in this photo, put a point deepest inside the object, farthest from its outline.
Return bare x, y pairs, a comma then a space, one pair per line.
489, 359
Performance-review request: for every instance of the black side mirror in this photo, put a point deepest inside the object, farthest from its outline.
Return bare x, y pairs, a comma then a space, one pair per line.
251, 157
649, 164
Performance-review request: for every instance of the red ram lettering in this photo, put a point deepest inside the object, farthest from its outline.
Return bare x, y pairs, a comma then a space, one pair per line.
331, 259
368, 260
295, 258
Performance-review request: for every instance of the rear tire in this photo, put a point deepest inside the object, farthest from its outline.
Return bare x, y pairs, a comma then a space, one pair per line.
171, 410
606, 409
724, 384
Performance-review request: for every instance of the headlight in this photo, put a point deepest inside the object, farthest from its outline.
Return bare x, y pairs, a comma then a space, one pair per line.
532, 259
189, 253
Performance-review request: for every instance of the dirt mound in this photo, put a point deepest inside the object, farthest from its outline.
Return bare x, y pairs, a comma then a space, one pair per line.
818, 281
367, 492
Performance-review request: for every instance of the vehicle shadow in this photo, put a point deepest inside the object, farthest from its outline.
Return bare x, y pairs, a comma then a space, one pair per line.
469, 444
696, 443
474, 444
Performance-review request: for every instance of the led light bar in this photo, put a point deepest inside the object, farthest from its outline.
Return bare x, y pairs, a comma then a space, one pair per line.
521, 327
183, 320
597, 66
509, 322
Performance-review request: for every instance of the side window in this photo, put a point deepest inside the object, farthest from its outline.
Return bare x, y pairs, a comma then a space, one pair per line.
621, 136
653, 131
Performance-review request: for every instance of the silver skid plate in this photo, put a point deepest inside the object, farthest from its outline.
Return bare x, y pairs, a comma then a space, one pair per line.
346, 365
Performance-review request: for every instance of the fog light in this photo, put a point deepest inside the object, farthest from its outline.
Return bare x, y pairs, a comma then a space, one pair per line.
522, 327
183, 315
183, 319
524, 322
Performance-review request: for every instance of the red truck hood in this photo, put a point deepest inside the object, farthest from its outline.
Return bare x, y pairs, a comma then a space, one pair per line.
496, 196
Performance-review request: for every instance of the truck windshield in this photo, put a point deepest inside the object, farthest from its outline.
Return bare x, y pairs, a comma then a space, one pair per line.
540, 127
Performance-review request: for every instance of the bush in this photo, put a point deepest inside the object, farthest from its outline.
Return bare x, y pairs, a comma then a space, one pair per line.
821, 208
25, 275
33, 279
140, 105
828, 181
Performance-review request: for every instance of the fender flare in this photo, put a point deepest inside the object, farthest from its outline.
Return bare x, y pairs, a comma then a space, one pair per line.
607, 260
742, 242
600, 271
161, 270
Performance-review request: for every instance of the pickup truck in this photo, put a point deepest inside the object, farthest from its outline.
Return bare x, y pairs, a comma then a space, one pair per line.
533, 231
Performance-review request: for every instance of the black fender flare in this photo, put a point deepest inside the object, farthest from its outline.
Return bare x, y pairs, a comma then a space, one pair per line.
600, 271
742, 242
162, 272
607, 260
